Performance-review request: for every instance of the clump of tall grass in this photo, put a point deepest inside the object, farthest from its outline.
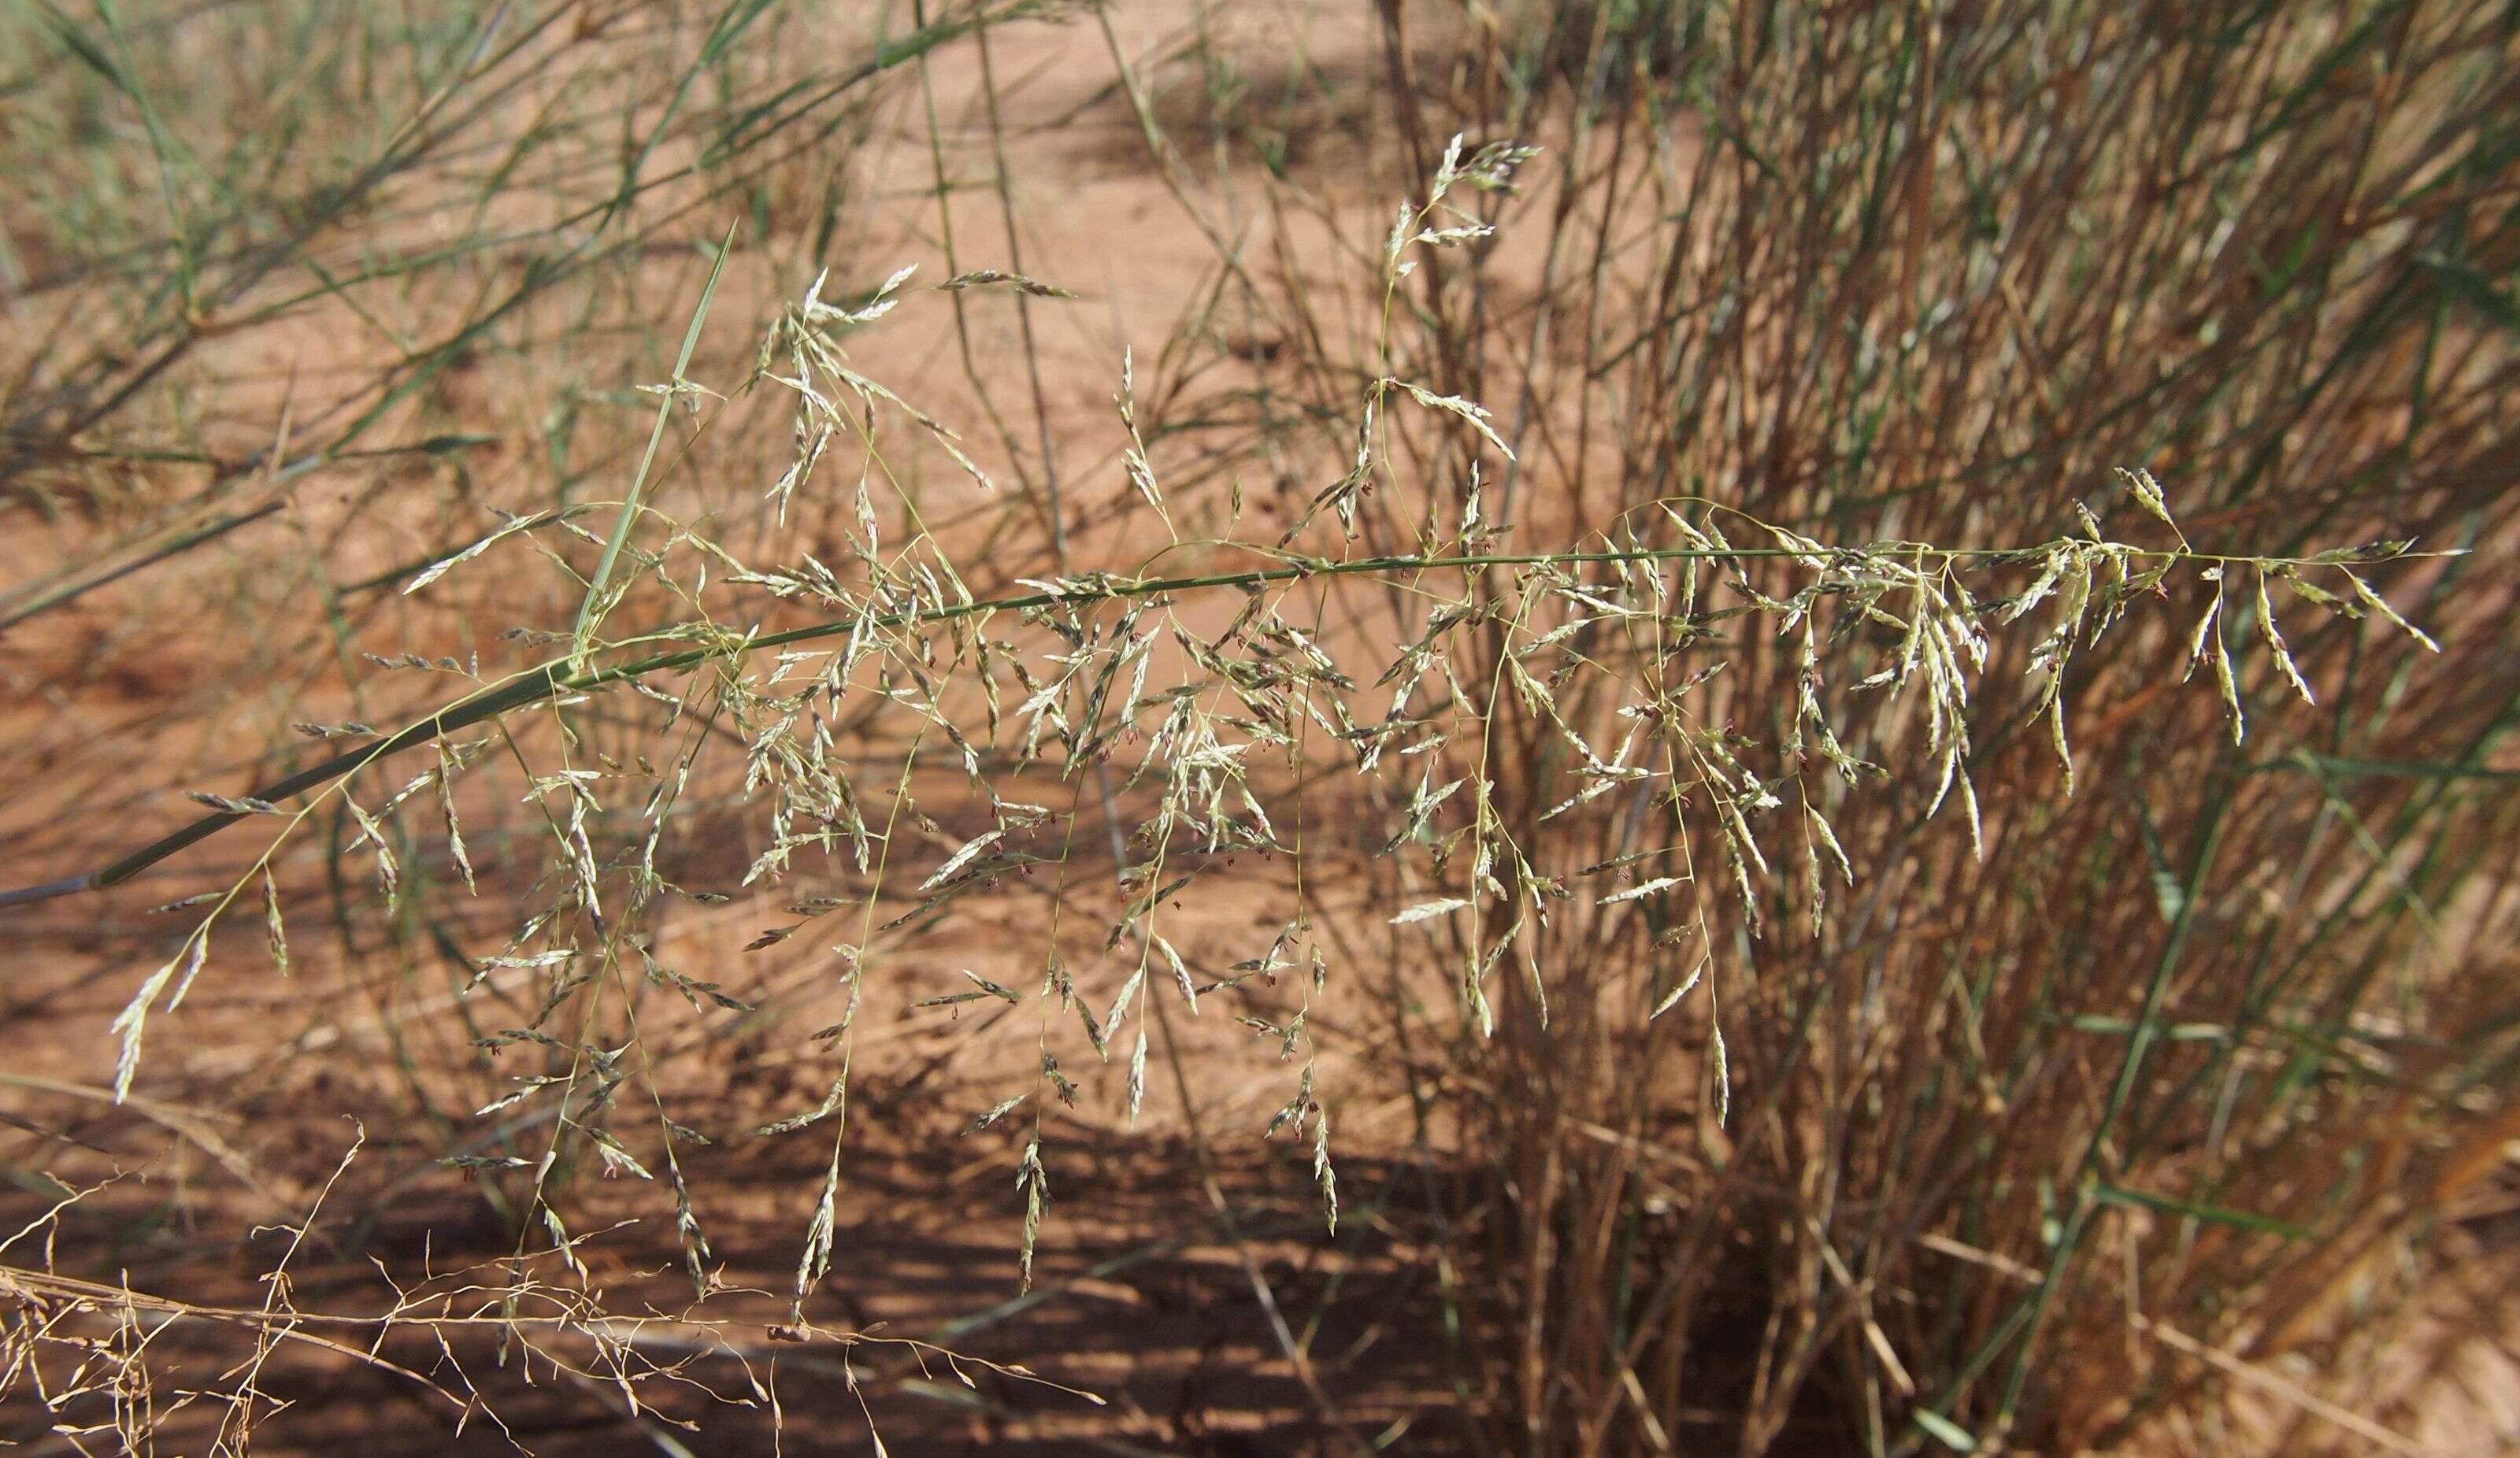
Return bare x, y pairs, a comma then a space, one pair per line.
2040, 1131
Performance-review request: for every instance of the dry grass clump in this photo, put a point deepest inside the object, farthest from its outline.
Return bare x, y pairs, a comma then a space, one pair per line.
2215, 1046
2192, 1061
1872, 684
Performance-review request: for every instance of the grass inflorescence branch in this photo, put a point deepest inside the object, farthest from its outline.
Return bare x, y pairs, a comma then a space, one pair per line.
553, 679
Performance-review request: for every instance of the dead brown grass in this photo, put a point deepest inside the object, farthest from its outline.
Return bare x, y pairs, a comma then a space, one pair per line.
2165, 1121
